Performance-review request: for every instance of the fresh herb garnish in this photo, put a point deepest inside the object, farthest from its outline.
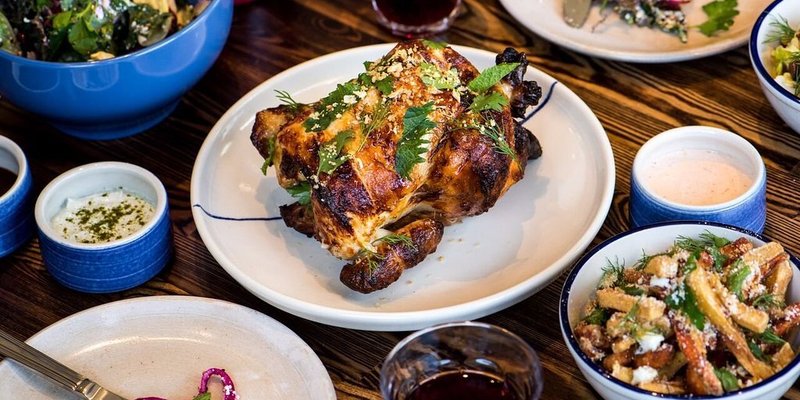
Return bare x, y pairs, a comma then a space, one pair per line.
287, 99
489, 101
720, 16
612, 273
490, 76
396, 238
492, 130
434, 45
770, 337
727, 379
411, 146
203, 396
330, 153
331, 107
301, 192
768, 300
385, 85
376, 120
372, 258
739, 273
433, 77
268, 160
783, 33
684, 299
598, 316
756, 350
707, 242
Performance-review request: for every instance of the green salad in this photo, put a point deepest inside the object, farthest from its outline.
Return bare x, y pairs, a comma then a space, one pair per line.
786, 56
89, 30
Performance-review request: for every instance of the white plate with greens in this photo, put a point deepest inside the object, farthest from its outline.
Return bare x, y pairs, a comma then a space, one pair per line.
160, 346
482, 265
616, 40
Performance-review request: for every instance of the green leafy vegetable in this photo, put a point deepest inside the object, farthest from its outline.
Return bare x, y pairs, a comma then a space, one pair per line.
268, 160
434, 45
768, 300
8, 40
203, 396
756, 350
598, 316
432, 76
385, 85
727, 378
329, 107
301, 192
720, 16
490, 76
707, 242
770, 337
330, 153
411, 146
739, 273
376, 120
489, 101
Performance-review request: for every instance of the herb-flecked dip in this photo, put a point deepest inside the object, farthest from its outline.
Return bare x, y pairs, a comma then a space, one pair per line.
89, 30
103, 217
707, 316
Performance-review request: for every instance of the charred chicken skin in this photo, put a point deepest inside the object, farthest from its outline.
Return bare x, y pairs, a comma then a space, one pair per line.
384, 162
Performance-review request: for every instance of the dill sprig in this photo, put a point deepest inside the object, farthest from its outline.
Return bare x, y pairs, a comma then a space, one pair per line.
491, 129
396, 238
287, 99
377, 120
371, 257
782, 32
768, 300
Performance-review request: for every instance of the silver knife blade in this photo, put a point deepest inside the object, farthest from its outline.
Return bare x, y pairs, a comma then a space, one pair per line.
59, 373
576, 12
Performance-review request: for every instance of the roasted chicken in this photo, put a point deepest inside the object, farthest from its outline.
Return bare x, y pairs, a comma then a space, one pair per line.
418, 141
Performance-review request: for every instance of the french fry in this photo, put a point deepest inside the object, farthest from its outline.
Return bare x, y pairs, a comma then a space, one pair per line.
624, 374
648, 307
669, 370
736, 248
784, 356
663, 387
741, 313
778, 280
763, 254
791, 318
662, 266
710, 306
700, 377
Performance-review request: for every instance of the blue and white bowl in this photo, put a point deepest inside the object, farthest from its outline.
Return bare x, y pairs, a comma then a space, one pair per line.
581, 284
116, 265
748, 210
785, 103
16, 204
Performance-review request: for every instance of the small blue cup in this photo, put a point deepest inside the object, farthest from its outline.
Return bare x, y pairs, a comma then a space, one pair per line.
744, 205
116, 265
16, 203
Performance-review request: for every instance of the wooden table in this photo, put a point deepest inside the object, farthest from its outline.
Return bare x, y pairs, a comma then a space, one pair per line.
632, 101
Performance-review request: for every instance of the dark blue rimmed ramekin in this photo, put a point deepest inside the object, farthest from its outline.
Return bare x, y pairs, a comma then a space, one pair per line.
16, 204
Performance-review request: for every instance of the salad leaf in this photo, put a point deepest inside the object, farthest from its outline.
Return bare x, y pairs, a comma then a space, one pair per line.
720, 16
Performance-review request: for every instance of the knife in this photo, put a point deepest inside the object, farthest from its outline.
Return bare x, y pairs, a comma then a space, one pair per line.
576, 12
59, 373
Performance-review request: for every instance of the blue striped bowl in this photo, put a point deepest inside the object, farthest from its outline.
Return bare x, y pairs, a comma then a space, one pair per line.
105, 267
16, 205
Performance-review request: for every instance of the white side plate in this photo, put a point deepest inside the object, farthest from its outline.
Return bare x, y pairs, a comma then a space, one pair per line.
159, 346
616, 40
484, 264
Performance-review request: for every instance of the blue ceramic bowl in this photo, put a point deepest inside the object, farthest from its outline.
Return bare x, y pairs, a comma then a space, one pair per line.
726, 150
116, 265
16, 203
121, 96
581, 284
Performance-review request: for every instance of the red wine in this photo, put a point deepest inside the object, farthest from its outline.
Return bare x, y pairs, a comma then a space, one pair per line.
415, 12
463, 385
7, 179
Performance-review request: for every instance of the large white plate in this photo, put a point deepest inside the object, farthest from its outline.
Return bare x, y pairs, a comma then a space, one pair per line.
159, 346
482, 265
616, 40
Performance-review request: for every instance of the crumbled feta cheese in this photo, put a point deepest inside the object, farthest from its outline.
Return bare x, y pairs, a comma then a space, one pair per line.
649, 342
660, 282
644, 374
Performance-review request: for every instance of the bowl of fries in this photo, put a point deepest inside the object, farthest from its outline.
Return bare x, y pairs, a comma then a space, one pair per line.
685, 310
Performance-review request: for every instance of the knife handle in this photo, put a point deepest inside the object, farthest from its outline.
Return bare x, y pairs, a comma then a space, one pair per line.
26, 355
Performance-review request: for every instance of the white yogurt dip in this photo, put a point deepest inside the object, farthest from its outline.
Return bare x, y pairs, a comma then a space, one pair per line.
695, 177
102, 217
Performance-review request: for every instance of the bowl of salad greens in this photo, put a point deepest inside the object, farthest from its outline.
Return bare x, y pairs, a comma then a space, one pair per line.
775, 55
106, 69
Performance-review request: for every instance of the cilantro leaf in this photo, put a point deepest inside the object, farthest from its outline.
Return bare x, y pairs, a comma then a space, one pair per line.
489, 101
329, 107
385, 85
727, 379
490, 76
301, 192
411, 145
330, 156
720, 16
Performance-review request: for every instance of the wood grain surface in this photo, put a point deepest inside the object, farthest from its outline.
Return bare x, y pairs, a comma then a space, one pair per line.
632, 101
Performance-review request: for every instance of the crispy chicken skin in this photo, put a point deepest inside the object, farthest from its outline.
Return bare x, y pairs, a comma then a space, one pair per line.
469, 156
